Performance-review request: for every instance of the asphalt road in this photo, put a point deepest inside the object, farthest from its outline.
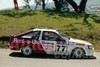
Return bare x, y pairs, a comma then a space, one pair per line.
10, 58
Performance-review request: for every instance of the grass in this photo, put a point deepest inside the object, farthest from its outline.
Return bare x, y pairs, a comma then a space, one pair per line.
81, 26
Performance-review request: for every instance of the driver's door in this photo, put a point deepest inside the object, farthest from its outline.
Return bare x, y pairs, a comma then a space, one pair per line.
53, 43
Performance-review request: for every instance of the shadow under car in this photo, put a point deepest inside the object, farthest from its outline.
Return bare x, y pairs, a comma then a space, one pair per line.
43, 56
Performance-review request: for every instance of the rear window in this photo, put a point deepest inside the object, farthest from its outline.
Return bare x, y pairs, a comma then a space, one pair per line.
31, 35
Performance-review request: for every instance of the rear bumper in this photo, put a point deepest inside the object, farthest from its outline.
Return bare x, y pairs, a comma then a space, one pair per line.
12, 47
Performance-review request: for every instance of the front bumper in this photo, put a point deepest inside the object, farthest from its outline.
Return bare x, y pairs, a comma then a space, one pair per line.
89, 52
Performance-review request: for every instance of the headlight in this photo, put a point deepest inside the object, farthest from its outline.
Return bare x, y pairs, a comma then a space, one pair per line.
89, 46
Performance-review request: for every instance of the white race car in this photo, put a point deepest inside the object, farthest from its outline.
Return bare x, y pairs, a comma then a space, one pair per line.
49, 41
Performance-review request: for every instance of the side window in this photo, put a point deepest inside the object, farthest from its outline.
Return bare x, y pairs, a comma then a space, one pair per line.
51, 36
31, 35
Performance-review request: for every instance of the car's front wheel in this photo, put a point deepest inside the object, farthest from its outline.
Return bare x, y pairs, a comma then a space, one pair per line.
26, 50
78, 53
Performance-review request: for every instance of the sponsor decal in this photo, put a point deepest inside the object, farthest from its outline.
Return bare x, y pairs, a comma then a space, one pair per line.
79, 44
48, 46
34, 43
61, 42
71, 43
26, 41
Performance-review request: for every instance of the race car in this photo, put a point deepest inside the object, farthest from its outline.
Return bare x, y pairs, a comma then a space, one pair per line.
49, 41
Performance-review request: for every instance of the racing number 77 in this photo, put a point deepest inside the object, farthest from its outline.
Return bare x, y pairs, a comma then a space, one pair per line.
61, 47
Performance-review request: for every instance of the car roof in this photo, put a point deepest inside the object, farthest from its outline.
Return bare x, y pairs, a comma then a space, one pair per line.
44, 30
36, 30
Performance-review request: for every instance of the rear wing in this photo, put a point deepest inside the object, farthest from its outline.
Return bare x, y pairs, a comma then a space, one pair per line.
13, 34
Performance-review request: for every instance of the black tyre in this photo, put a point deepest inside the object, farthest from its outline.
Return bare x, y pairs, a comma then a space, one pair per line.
26, 50
78, 53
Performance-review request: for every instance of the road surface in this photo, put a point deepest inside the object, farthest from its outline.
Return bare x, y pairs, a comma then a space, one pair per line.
10, 58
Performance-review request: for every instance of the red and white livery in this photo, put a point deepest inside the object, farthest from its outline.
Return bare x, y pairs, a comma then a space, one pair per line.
49, 41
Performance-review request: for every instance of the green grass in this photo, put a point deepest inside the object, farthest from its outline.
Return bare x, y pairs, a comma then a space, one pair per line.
81, 26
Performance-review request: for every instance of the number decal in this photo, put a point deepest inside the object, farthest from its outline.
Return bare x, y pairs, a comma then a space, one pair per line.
58, 47
61, 48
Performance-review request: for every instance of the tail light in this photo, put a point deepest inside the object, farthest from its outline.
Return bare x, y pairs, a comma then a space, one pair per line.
10, 41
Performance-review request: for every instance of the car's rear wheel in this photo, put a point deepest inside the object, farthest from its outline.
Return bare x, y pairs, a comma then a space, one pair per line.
26, 50
78, 53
